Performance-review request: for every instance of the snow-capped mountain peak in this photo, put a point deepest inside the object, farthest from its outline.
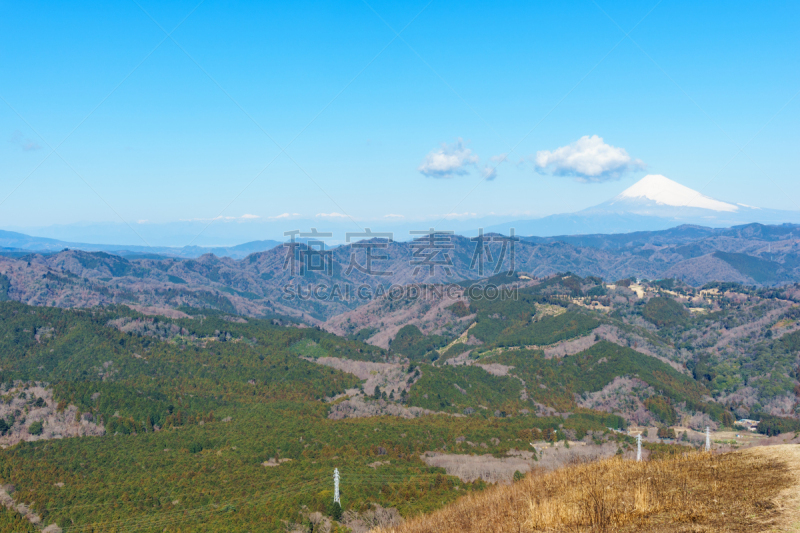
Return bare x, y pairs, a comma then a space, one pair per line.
664, 191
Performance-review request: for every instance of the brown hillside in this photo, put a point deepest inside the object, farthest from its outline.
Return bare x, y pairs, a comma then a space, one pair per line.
690, 492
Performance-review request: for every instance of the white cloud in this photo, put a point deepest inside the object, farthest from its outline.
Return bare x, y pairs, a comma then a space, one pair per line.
243, 217
285, 215
458, 215
588, 159
448, 161
220, 217
332, 215
390, 215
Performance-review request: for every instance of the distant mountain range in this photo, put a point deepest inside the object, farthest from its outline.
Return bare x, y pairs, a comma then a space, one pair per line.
18, 244
258, 284
678, 235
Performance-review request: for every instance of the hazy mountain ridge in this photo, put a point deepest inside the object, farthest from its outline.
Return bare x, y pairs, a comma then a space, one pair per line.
683, 234
14, 243
261, 282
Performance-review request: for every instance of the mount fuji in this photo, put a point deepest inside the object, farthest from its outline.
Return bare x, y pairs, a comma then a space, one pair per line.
653, 203
656, 194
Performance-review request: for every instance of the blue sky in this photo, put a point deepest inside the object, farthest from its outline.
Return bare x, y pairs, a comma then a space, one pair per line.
162, 131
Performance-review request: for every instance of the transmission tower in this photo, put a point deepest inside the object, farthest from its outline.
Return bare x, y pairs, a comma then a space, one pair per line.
708, 439
336, 486
639, 447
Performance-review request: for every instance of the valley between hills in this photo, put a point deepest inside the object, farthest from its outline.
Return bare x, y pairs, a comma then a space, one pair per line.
169, 394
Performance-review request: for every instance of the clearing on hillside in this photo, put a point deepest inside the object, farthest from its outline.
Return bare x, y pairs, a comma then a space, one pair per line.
693, 491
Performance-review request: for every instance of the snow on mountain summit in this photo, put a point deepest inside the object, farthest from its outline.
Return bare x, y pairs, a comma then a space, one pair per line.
664, 191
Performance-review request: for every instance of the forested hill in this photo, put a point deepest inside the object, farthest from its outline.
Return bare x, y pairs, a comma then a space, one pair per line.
144, 369
738, 343
112, 419
223, 421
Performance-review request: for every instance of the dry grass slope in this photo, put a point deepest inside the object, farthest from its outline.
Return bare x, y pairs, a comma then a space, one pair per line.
692, 492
